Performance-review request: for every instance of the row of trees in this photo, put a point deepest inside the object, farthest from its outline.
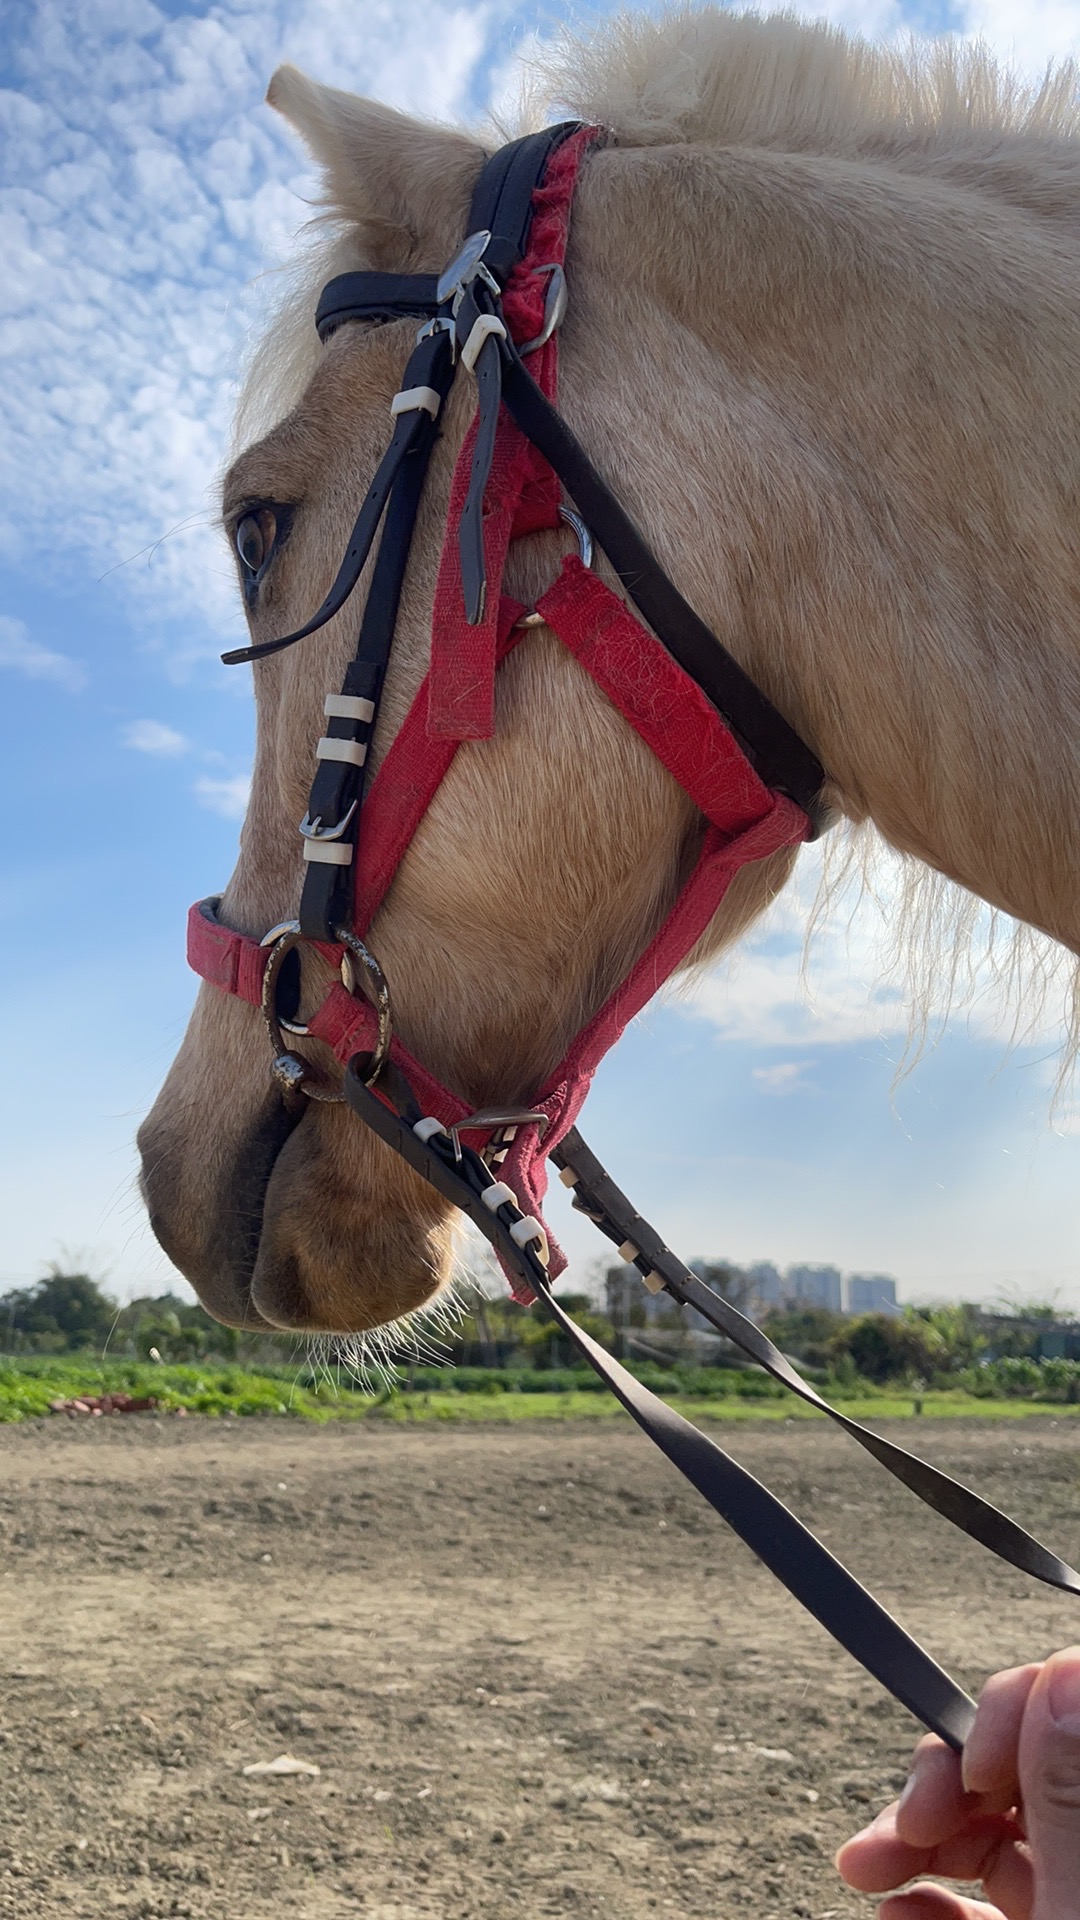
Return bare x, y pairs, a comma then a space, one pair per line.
930, 1343
70, 1312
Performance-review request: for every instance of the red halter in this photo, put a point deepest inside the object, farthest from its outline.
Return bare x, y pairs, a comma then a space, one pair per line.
745, 820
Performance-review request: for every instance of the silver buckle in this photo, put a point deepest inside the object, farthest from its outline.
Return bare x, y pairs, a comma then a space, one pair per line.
314, 829
440, 324
500, 1117
555, 303
465, 267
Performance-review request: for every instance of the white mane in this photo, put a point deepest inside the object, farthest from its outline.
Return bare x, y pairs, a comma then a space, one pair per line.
729, 79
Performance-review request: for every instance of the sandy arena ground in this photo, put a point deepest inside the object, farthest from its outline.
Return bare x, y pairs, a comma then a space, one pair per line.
535, 1674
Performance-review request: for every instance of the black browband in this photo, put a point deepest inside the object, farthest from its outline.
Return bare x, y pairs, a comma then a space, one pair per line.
450, 307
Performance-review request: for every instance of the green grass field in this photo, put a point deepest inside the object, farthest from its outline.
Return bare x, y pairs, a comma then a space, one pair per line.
28, 1384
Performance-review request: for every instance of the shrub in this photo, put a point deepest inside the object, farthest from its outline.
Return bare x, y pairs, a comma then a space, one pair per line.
890, 1347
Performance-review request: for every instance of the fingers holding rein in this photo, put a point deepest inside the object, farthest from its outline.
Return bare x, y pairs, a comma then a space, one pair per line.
935, 1903
990, 1764
985, 1847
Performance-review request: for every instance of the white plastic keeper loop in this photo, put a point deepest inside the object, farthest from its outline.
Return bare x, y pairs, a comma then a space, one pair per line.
425, 1130
524, 1232
498, 1196
416, 400
628, 1252
654, 1281
329, 853
348, 706
486, 325
352, 752
568, 1177
529, 1229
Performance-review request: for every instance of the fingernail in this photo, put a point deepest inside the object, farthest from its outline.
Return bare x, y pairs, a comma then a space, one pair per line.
1063, 1691
863, 1834
908, 1790
887, 1813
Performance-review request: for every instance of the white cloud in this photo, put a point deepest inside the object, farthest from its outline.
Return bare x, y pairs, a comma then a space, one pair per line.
36, 662
1026, 36
153, 736
146, 187
787, 1076
868, 973
227, 797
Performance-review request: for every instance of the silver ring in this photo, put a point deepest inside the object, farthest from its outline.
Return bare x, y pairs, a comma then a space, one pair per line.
281, 940
573, 520
373, 985
368, 975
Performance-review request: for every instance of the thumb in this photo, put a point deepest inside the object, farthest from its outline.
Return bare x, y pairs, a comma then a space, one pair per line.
1049, 1769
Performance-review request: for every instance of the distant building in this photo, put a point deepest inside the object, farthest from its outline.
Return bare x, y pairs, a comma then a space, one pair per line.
815, 1287
871, 1293
768, 1284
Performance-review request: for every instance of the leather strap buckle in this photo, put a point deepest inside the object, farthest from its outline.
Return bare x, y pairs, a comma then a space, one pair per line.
467, 266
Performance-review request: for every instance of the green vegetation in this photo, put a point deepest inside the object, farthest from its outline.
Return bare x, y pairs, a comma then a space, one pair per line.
64, 1339
29, 1384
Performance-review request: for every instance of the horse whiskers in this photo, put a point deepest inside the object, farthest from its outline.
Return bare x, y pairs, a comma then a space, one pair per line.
374, 1356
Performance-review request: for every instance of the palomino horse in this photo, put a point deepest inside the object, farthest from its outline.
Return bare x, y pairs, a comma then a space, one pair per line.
823, 342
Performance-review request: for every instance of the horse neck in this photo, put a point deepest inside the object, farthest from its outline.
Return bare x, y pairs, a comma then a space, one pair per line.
843, 396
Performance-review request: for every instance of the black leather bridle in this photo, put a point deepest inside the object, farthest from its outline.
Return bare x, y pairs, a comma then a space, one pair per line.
461, 314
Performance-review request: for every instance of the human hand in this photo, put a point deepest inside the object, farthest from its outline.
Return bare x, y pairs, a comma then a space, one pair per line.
1006, 1812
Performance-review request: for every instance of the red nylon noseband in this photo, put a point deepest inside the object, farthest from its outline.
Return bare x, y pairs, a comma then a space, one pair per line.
743, 819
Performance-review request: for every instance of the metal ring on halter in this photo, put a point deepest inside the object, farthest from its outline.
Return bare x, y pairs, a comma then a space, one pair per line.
370, 978
573, 520
287, 932
291, 1072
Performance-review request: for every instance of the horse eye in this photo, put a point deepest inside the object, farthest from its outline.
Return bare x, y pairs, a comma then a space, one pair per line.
255, 537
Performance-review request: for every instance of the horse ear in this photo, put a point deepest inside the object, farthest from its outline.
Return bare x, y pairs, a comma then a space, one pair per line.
404, 184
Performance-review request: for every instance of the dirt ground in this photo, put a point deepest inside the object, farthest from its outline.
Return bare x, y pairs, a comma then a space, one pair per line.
537, 1677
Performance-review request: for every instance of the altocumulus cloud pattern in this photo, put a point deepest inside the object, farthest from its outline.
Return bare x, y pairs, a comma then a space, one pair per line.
146, 186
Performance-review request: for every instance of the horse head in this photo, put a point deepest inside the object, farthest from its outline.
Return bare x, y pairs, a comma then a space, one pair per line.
826, 361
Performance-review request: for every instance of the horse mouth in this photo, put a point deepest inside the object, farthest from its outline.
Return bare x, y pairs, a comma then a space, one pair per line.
289, 1242
218, 1253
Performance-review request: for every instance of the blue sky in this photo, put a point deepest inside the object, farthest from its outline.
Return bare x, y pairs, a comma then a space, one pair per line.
146, 196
